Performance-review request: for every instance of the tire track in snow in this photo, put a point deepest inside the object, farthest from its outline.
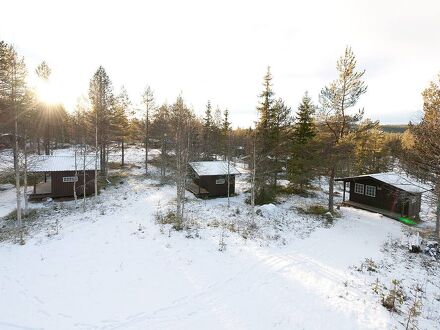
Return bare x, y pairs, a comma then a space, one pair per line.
328, 283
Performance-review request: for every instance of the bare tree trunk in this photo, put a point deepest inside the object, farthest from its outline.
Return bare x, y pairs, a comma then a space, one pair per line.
254, 165
96, 156
183, 191
331, 182
123, 152
107, 148
17, 173
74, 180
163, 156
84, 176
437, 222
229, 169
146, 142
26, 200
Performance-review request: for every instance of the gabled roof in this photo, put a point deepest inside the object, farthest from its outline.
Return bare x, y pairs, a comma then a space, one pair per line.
393, 179
218, 167
51, 163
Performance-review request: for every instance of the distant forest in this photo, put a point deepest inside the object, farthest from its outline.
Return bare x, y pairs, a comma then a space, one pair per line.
398, 128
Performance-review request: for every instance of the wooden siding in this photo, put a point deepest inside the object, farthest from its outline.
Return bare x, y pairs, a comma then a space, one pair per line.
65, 189
208, 182
387, 197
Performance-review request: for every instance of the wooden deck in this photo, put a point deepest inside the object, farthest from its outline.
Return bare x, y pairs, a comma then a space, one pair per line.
196, 190
386, 213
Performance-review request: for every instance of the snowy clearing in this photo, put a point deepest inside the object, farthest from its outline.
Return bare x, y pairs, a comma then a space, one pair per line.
114, 267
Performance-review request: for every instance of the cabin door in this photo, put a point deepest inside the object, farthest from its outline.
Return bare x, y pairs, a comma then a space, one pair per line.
405, 208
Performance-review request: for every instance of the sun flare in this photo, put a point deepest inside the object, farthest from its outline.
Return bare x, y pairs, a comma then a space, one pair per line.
47, 93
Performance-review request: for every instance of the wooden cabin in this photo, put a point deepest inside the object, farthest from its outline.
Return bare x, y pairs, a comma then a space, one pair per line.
210, 178
389, 194
62, 175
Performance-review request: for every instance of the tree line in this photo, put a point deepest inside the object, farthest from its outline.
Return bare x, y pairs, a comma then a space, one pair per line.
327, 138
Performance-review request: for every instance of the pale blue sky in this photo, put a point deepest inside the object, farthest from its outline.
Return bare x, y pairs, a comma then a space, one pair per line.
219, 50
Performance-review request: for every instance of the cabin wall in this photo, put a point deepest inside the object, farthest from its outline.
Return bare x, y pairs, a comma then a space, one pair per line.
64, 189
387, 197
217, 190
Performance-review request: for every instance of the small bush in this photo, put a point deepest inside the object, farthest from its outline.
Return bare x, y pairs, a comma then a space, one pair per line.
369, 265
394, 298
296, 190
263, 196
12, 216
315, 209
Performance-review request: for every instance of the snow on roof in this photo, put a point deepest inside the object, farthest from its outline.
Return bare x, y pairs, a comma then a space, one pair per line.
51, 163
218, 167
395, 180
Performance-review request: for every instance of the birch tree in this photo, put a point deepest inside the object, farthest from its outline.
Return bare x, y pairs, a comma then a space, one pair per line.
12, 92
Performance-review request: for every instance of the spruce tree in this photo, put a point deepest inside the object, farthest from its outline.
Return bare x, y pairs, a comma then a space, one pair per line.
301, 164
208, 133
226, 127
305, 128
264, 142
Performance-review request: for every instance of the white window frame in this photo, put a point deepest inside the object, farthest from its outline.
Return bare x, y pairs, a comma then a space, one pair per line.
69, 179
370, 191
359, 188
220, 181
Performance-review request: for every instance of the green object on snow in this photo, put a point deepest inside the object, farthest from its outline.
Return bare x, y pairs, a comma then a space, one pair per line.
407, 221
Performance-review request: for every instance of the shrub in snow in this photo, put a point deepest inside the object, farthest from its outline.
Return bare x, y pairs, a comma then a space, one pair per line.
415, 308
221, 243
393, 298
369, 265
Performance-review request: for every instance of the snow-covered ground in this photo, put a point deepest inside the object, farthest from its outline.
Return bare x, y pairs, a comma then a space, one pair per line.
114, 267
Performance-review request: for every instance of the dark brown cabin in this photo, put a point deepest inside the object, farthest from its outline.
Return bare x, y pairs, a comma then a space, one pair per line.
387, 193
210, 178
61, 176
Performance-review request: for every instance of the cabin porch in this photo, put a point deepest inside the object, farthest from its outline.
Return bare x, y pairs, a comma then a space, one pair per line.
41, 190
389, 214
197, 190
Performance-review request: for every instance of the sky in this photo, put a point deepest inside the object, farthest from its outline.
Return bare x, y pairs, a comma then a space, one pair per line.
219, 50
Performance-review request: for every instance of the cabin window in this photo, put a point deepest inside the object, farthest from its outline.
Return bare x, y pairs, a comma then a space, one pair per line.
70, 178
220, 181
370, 191
359, 188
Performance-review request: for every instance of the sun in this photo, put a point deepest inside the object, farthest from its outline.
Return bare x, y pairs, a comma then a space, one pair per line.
47, 92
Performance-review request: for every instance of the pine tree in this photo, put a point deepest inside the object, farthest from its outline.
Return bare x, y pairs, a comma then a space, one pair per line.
120, 122
162, 128
336, 100
149, 104
423, 156
102, 101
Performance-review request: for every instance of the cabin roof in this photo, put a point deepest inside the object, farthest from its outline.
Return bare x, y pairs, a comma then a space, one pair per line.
52, 163
393, 179
218, 167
